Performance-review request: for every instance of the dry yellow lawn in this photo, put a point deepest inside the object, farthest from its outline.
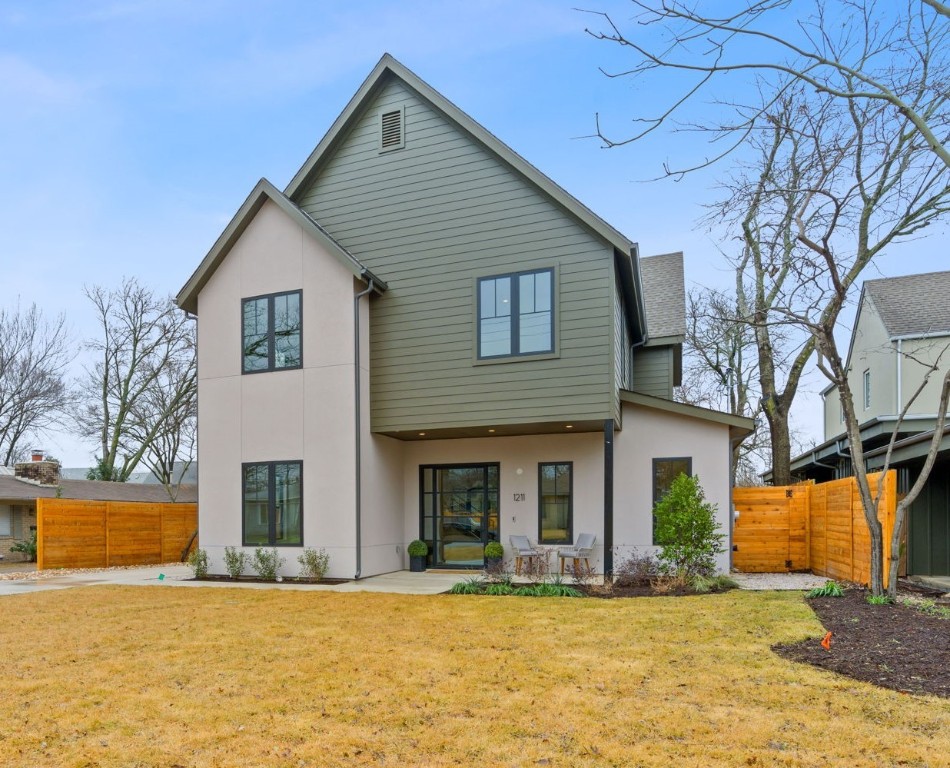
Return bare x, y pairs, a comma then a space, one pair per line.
126, 676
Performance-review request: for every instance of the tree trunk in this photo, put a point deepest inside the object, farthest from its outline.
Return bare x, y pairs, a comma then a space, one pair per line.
781, 444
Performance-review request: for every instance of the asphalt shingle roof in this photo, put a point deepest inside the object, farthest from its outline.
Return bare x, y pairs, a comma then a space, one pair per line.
12, 489
664, 294
913, 304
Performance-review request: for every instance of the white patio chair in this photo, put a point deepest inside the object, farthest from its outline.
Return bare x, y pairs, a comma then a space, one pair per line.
582, 550
523, 549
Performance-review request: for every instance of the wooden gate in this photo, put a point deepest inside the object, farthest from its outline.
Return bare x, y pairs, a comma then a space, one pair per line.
820, 528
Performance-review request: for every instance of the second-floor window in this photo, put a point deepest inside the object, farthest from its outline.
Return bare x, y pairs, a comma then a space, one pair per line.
516, 314
271, 332
867, 389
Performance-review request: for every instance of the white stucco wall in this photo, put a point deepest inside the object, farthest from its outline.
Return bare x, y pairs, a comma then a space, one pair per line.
650, 434
302, 414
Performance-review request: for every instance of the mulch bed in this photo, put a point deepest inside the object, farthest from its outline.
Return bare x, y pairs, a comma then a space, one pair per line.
282, 580
893, 646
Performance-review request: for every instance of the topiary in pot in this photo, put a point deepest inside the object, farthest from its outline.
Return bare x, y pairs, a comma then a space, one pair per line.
494, 553
418, 551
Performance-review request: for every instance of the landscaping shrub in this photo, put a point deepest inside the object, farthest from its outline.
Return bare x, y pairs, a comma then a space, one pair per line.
314, 563
417, 548
687, 530
27, 548
470, 586
198, 560
267, 562
879, 600
830, 589
235, 561
635, 569
721, 583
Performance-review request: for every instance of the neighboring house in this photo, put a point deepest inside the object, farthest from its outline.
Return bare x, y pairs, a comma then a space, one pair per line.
423, 336
902, 328
40, 479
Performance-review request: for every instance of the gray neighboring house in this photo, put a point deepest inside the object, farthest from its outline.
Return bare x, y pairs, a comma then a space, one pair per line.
902, 327
23, 484
423, 336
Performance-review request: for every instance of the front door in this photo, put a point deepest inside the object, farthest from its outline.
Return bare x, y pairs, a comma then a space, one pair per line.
458, 513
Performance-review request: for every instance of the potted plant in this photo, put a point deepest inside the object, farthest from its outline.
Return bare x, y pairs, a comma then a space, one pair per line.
418, 550
494, 552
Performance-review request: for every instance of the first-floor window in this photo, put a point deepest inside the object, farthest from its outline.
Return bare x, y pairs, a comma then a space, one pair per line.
555, 489
6, 520
665, 471
273, 503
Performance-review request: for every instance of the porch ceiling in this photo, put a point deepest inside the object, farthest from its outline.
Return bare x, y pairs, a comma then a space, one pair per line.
495, 430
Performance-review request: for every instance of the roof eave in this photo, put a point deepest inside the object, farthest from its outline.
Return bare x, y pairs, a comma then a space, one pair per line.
739, 426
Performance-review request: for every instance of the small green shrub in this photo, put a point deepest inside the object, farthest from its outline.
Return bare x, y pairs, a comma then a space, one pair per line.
879, 599
418, 548
198, 560
267, 562
687, 530
314, 563
235, 561
470, 586
721, 583
494, 550
499, 588
830, 589
27, 548
547, 589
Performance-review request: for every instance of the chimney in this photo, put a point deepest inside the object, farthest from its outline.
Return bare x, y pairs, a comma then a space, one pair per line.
37, 454
40, 471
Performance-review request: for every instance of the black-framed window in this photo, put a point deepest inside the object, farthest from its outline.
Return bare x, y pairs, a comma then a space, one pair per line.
271, 332
867, 389
665, 471
556, 502
273, 504
516, 314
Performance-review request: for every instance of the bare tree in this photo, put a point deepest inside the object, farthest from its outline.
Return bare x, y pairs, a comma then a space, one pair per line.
890, 55
139, 394
34, 354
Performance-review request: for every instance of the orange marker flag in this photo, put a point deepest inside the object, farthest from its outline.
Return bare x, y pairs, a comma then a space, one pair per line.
826, 643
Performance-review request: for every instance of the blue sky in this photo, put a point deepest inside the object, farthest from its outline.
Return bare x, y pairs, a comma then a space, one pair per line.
133, 129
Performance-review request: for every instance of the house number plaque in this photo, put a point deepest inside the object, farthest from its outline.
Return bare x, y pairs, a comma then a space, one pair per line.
519, 496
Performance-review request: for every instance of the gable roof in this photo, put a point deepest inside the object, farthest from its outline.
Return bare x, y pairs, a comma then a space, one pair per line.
263, 191
912, 305
389, 67
664, 297
739, 426
14, 489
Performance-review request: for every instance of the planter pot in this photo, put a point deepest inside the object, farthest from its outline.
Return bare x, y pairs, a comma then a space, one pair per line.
417, 564
493, 564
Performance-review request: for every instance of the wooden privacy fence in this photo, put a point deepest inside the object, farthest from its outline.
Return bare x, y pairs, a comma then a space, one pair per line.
818, 528
98, 534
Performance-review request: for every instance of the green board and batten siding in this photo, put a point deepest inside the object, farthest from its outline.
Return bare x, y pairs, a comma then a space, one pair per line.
431, 218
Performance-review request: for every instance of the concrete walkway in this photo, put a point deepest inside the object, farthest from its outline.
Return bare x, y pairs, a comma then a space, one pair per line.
399, 582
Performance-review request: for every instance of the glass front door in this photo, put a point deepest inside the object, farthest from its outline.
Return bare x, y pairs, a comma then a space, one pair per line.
459, 513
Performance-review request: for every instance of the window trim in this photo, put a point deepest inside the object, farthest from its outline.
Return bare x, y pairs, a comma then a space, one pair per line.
271, 503
657, 460
552, 351
270, 332
570, 502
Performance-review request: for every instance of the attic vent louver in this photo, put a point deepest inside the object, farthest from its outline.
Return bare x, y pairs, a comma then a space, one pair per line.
391, 130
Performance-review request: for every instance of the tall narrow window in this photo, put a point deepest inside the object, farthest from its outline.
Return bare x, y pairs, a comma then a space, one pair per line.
555, 503
273, 504
271, 336
867, 389
6, 520
516, 314
665, 471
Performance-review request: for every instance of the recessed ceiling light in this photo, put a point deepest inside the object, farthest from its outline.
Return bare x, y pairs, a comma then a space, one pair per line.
422, 434
568, 426
491, 430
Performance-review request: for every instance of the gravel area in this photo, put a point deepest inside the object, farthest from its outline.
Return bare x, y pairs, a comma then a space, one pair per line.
779, 581
53, 573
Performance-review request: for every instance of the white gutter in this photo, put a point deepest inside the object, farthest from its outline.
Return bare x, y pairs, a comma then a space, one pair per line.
900, 395
931, 335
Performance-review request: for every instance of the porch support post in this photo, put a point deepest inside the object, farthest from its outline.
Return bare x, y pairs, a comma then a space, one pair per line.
608, 497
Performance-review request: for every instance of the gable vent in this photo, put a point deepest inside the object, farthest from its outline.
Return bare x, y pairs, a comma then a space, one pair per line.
391, 130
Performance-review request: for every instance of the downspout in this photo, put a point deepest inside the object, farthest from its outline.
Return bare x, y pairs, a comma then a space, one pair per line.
359, 422
900, 394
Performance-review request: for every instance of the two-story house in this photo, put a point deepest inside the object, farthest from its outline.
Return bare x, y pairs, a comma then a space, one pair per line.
902, 329
423, 336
